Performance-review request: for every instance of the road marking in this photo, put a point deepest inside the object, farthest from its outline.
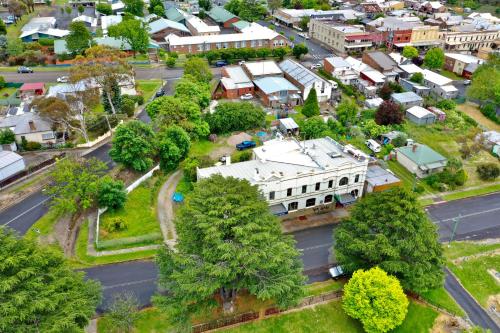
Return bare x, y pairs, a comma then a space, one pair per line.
128, 283
469, 215
23, 213
315, 247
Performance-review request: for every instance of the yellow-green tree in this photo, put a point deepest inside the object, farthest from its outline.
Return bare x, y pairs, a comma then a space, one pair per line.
376, 299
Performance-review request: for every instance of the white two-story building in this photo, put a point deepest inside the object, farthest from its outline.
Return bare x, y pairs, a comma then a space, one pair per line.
295, 175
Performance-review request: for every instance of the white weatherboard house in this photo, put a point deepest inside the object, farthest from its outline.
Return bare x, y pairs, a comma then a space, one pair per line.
295, 175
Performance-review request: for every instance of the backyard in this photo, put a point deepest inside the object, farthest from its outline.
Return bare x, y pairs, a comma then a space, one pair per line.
470, 262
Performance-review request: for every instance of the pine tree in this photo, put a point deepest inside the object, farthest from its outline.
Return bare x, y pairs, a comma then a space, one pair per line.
311, 106
116, 99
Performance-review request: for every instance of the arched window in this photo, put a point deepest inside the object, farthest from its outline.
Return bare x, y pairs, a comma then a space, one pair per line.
328, 198
343, 181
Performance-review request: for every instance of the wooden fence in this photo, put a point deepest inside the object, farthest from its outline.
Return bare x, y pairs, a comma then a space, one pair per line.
251, 316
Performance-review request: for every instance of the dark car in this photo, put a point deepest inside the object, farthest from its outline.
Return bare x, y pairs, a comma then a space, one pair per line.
220, 63
24, 69
245, 145
160, 93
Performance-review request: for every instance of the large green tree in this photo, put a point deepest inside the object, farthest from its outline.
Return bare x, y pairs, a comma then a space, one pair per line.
376, 299
199, 69
169, 110
228, 242
410, 52
486, 82
134, 32
173, 146
311, 105
79, 38
133, 145
299, 50
313, 128
347, 112
189, 88
434, 58
39, 292
235, 116
111, 193
391, 230
74, 184
134, 7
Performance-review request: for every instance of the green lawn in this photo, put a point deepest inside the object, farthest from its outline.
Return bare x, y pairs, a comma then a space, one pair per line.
139, 215
472, 193
43, 226
9, 91
440, 298
148, 87
202, 147
14, 30
451, 75
463, 249
318, 288
35, 68
473, 274
184, 186
150, 320
407, 178
82, 260
330, 318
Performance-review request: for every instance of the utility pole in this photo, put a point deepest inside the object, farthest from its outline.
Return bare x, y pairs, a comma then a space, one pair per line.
456, 222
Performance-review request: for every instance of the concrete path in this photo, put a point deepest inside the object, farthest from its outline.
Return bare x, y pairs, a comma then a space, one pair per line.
165, 210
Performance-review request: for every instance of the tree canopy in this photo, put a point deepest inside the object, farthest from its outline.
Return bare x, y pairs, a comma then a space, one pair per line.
39, 290
111, 193
299, 50
228, 241
434, 58
132, 31
173, 146
486, 82
347, 112
189, 88
390, 230
410, 52
74, 184
311, 106
235, 116
389, 113
79, 38
133, 145
134, 7
313, 128
376, 299
199, 69
417, 78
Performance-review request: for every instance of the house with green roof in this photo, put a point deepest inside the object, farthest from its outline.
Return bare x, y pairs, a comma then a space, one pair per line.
240, 25
222, 17
420, 160
175, 14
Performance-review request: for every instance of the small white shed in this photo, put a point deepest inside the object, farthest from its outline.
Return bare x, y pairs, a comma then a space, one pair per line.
10, 164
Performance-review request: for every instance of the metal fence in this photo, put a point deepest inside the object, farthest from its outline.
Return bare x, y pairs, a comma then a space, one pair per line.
30, 170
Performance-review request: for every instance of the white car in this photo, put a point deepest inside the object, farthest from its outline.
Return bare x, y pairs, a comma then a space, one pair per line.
304, 35
336, 272
246, 96
241, 62
316, 66
63, 79
373, 145
466, 82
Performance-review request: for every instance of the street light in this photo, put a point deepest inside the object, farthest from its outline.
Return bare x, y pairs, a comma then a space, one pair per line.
456, 221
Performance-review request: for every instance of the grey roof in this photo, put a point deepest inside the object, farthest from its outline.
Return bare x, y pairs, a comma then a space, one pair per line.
338, 62
237, 74
175, 14
289, 123
406, 97
8, 157
383, 60
272, 84
163, 24
377, 176
471, 68
304, 76
20, 124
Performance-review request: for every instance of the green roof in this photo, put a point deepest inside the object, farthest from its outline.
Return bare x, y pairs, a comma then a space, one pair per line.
241, 24
174, 14
423, 155
220, 15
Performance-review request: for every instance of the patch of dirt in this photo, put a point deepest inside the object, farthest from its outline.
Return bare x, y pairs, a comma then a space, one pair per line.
221, 151
473, 111
447, 324
228, 145
237, 138
493, 302
491, 253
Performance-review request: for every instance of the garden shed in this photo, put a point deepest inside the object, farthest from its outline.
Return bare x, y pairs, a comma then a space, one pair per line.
420, 116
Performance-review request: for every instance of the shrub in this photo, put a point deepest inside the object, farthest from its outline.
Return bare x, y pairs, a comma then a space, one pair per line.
170, 62
490, 112
191, 163
104, 9
400, 140
488, 171
235, 116
111, 193
242, 156
446, 104
128, 106
115, 224
7, 136
31, 145
46, 42
2, 82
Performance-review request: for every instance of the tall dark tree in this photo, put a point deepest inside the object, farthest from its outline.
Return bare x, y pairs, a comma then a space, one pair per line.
39, 291
391, 230
173, 146
311, 106
389, 113
385, 92
228, 242
134, 7
113, 102
205, 4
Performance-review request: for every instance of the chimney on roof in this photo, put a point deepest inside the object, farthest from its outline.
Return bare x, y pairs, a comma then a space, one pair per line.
414, 148
32, 125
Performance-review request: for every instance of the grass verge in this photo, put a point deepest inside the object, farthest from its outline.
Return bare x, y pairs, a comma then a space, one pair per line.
43, 226
318, 288
148, 87
407, 178
472, 193
7, 92
440, 298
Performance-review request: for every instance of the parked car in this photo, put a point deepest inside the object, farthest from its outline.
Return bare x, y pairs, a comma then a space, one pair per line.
304, 35
241, 62
24, 69
220, 63
373, 145
246, 96
316, 66
245, 145
63, 79
160, 93
466, 82
336, 272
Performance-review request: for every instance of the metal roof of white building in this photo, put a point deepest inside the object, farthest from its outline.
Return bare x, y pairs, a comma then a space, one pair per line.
303, 75
419, 112
406, 97
272, 84
267, 67
435, 78
8, 157
200, 26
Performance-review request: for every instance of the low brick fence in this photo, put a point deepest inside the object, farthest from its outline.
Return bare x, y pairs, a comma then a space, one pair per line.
252, 316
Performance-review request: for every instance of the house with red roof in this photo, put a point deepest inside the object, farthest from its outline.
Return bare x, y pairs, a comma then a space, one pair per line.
32, 89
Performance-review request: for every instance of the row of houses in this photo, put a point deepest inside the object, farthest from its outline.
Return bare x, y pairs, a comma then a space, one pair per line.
288, 82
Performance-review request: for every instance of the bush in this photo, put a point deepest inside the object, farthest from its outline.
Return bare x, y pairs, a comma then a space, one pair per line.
7, 136
400, 140
490, 112
128, 106
2, 82
242, 156
104, 9
46, 42
111, 193
170, 62
191, 163
446, 104
235, 116
447, 179
115, 224
488, 171
31, 145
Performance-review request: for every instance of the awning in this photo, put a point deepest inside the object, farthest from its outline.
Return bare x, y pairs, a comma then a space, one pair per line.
345, 199
278, 209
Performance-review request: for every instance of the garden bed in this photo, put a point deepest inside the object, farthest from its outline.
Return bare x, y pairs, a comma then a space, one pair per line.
139, 217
